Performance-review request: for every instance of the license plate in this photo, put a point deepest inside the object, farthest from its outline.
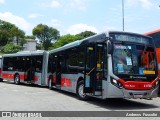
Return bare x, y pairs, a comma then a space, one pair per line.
137, 96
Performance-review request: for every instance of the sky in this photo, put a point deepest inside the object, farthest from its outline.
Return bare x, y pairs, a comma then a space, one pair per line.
75, 16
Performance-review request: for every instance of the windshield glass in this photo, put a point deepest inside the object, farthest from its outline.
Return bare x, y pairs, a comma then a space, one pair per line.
133, 59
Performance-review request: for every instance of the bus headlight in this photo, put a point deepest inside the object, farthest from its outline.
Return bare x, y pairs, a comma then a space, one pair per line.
116, 83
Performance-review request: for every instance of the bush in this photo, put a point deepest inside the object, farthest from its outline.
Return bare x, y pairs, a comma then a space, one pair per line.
11, 48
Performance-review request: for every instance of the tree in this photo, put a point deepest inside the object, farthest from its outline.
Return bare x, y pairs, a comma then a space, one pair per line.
86, 34
17, 34
66, 39
71, 38
46, 35
11, 48
5, 28
9, 32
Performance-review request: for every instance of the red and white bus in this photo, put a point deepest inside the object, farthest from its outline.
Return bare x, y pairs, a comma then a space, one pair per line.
108, 65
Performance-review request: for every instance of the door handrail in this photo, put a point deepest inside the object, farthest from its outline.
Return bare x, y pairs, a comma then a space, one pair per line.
90, 71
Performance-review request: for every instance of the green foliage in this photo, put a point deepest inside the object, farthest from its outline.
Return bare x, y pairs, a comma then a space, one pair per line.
23, 41
17, 34
30, 37
8, 32
11, 48
46, 35
39, 46
65, 40
1, 53
86, 34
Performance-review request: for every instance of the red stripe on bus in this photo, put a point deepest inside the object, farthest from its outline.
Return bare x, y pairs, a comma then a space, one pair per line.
22, 76
54, 79
4, 75
11, 76
7, 75
135, 85
35, 78
66, 82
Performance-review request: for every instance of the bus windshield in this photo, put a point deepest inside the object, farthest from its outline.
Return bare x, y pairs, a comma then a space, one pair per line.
134, 59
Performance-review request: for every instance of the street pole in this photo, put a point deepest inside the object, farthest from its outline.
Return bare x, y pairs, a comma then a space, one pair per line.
123, 14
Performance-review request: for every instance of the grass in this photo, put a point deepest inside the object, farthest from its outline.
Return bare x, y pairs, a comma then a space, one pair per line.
1, 53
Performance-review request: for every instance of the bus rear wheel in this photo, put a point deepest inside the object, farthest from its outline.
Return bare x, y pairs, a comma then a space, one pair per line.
1, 80
17, 79
80, 93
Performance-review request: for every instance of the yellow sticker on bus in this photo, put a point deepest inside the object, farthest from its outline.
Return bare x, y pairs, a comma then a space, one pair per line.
148, 72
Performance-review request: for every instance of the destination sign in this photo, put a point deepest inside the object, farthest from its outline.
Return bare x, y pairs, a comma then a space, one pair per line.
131, 38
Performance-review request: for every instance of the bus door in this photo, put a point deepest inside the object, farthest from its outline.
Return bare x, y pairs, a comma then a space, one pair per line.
100, 66
37, 71
94, 69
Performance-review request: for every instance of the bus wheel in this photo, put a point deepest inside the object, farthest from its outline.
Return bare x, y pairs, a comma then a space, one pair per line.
17, 79
81, 95
50, 85
1, 80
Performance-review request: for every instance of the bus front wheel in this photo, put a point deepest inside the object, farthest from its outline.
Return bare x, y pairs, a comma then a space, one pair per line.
80, 93
17, 79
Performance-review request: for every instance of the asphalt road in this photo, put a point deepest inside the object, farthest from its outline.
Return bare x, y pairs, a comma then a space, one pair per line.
36, 98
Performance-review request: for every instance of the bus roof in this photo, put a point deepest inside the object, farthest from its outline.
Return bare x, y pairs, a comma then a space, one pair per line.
94, 38
25, 53
152, 32
156, 37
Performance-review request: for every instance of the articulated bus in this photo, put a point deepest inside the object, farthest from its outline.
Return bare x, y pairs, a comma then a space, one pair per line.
25, 67
108, 65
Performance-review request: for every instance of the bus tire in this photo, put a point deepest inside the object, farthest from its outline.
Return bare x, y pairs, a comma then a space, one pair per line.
50, 84
17, 79
1, 79
79, 91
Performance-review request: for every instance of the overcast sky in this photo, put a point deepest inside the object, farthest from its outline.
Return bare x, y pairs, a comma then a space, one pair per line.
75, 16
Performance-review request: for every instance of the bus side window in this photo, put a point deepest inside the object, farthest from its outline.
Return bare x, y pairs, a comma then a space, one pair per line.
38, 65
75, 60
11, 64
63, 63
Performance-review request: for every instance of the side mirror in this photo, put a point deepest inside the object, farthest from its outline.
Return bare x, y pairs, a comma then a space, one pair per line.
109, 47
